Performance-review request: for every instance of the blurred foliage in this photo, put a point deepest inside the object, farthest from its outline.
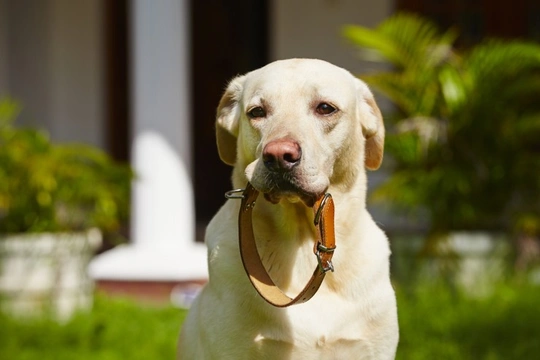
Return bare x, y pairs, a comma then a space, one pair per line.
464, 140
435, 323
116, 329
56, 187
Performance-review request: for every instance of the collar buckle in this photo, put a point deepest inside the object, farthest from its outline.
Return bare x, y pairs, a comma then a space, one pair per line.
235, 194
324, 250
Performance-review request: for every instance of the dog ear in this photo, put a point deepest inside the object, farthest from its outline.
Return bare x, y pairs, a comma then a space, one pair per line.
228, 115
372, 127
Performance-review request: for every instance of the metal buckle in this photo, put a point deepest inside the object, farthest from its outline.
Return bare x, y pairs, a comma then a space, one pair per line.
319, 210
233, 194
323, 249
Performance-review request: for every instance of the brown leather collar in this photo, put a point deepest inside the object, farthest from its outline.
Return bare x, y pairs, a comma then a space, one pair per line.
259, 277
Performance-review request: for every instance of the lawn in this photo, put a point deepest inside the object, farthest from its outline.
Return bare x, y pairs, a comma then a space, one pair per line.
435, 323
115, 329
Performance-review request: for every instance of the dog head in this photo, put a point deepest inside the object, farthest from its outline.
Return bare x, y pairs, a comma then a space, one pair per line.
295, 127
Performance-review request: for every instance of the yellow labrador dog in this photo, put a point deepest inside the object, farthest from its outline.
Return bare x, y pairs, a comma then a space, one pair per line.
296, 129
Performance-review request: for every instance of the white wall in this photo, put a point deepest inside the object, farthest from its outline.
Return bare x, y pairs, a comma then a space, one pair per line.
24, 57
311, 28
3, 47
76, 68
51, 60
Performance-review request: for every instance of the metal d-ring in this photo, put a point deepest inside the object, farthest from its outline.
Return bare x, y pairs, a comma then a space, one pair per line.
323, 249
319, 210
235, 194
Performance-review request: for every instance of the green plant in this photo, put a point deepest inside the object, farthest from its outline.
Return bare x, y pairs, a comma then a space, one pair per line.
56, 187
463, 140
115, 329
435, 323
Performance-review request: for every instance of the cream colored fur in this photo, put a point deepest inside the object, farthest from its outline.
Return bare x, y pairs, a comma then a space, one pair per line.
353, 316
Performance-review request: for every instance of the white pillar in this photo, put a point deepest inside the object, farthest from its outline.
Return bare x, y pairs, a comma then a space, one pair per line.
163, 224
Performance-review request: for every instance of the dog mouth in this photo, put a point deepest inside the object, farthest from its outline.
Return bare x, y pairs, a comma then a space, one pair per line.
290, 190
308, 199
294, 183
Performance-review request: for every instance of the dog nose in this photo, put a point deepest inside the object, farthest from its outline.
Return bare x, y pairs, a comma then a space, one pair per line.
281, 155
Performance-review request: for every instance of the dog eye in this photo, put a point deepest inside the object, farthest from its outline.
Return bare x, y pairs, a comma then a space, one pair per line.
256, 112
325, 109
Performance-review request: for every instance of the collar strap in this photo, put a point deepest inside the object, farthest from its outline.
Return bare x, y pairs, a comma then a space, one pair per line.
324, 249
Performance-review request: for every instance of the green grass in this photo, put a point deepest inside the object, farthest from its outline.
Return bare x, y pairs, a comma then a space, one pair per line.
435, 323
115, 329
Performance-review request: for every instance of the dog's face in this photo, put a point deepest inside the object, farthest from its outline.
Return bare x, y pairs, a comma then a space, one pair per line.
294, 127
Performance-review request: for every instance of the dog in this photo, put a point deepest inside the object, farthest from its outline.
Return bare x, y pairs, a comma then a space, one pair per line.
296, 129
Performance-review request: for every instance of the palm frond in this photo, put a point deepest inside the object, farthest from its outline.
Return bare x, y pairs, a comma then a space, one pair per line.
397, 88
465, 140
454, 88
404, 40
496, 62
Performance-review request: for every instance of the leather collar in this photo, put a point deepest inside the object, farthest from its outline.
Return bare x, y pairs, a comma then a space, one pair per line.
323, 249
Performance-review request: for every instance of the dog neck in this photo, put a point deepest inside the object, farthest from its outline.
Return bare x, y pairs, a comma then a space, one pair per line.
288, 254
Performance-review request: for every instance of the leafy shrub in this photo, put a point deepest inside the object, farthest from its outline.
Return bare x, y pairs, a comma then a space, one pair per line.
464, 137
56, 187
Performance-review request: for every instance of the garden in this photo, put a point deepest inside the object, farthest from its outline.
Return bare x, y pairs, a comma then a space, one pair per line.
435, 323
463, 158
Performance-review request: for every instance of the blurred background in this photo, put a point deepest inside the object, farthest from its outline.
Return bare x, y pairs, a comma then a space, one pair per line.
109, 171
